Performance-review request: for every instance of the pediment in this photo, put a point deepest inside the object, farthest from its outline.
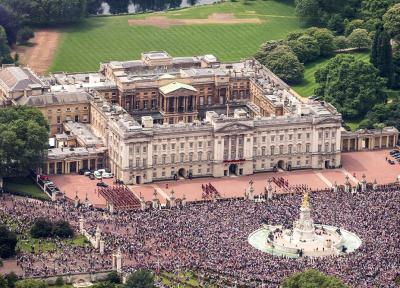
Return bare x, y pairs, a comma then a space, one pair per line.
328, 120
234, 127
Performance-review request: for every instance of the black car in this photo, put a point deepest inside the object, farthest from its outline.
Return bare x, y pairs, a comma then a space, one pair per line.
84, 170
102, 184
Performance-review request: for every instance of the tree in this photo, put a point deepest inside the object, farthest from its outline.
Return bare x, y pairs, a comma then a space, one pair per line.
48, 12
113, 277
383, 114
336, 23
350, 26
359, 38
104, 285
140, 279
351, 85
396, 65
11, 278
24, 35
284, 63
5, 56
307, 11
267, 48
306, 48
391, 21
62, 229
381, 54
375, 9
59, 281
312, 278
10, 22
30, 283
3, 282
23, 140
42, 228
341, 42
8, 241
324, 38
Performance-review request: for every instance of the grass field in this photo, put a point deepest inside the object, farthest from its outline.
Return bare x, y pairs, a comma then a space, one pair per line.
24, 186
43, 245
306, 88
101, 39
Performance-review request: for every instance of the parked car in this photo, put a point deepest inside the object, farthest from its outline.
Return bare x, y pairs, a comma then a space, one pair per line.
102, 184
84, 171
395, 151
107, 175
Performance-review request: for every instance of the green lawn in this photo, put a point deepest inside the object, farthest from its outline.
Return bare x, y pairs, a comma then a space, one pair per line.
306, 88
101, 39
25, 244
24, 186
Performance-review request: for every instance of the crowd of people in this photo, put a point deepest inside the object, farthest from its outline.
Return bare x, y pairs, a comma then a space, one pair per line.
209, 192
212, 237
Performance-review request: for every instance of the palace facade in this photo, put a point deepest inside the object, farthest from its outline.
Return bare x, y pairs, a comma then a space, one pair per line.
164, 117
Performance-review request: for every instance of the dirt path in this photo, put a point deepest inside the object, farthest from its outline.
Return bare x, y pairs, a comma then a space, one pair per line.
216, 18
39, 55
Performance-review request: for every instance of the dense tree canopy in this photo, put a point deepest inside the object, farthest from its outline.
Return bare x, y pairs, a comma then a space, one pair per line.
8, 240
140, 279
44, 228
47, 12
23, 140
312, 278
326, 12
284, 63
359, 38
5, 57
381, 54
391, 20
352, 86
387, 114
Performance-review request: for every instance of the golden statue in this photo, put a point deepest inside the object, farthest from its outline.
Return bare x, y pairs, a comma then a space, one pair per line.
305, 200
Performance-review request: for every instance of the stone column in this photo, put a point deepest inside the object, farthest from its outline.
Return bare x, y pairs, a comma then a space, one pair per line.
363, 183
142, 204
251, 191
269, 190
184, 200
155, 200
97, 236
347, 185
335, 188
102, 247
375, 185
81, 225
172, 203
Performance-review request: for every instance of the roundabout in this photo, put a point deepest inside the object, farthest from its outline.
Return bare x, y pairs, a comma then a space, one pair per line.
305, 238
